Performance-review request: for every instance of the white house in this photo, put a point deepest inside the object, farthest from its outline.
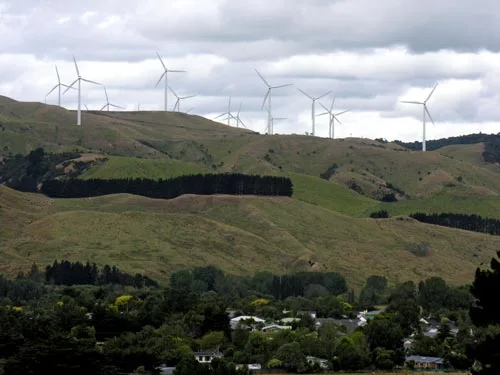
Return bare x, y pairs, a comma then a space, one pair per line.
274, 328
207, 356
246, 321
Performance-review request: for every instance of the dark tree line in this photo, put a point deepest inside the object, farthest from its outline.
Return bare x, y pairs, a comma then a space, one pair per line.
201, 184
76, 273
474, 223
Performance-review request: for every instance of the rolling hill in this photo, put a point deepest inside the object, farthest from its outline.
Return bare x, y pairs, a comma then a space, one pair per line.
323, 226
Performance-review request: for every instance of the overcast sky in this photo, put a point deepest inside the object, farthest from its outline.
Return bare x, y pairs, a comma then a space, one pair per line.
371, 54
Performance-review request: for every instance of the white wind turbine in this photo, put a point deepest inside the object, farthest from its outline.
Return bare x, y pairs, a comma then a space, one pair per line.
79, 80
275, 119
425, 112
238, 119
108, 104
268, 97
179, 98
165, 74
228, 113
332, 118
58, 86
313, 109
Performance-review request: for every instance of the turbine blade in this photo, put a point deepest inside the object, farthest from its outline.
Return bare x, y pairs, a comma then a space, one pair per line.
223, 114
280, 86
62, 84
262, 78
322, 114
187, 97
176, 71
104, 106
106, 93
335, 118
173, 92
306, 94
76, 66
265, 98
116, 106
428, 114
89, 81
432, 92
403, 101
326, 109
55, 87
57, 72
87, 108
338, 114
164, 67
333, 102
326, 93
161, 77
70, 86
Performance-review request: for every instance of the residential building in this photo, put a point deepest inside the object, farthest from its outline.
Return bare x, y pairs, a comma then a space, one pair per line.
274, 328
245, 321
207, 356
420, 362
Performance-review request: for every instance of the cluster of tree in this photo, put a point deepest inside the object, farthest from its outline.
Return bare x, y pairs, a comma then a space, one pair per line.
112, 329
24, 173
76, 273
474, 223
381, 214
202, 184
435, 144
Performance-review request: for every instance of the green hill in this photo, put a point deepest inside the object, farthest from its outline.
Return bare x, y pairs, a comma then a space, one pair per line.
238, 234
324, 226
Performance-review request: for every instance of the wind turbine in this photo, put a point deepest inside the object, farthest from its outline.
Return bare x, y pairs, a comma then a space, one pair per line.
274, 119
108, 104
313, 109
268, 97
228, 113
79, 80
332, 118
425, 111
165, 74
58, 86
179, 98
238, 119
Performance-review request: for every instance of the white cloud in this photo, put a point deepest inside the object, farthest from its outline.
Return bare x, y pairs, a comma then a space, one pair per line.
370, 54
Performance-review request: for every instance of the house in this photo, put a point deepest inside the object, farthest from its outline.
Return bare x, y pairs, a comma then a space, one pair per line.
289, 320
165, 370
245, 321
274, 328
207, 356
420, 362
250, 366
408, 343
349, 324
312, 314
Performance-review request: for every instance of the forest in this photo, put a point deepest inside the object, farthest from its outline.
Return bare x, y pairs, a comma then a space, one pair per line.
201, 184
50, 323
474, 223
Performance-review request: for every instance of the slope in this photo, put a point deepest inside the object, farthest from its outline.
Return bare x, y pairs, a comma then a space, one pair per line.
238, 234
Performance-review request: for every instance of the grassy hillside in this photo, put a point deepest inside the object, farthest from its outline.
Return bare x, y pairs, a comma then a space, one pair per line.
370, 167
238, 234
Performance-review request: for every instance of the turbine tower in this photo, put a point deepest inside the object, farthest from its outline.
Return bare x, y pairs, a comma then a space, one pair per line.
179, 98
332, 118
165, 74
108, 104
274, 119
228, 113
425, 112
313, 109
268, 97
58, 86
79, 80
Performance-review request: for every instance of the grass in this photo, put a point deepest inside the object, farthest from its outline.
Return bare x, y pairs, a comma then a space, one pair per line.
238, 234
125, 167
